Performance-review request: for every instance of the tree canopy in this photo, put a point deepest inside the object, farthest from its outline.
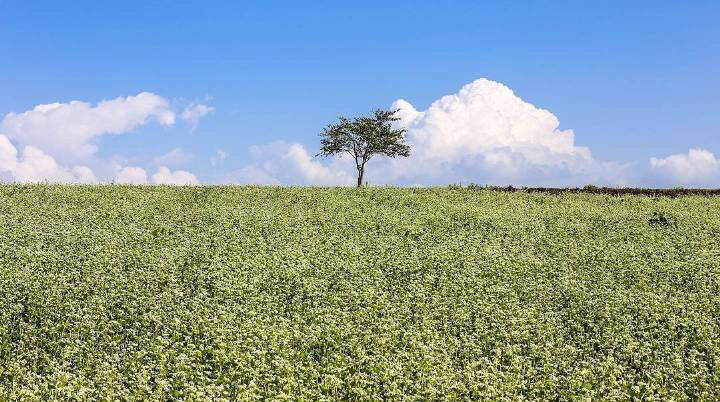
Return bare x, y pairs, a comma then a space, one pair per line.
363, 137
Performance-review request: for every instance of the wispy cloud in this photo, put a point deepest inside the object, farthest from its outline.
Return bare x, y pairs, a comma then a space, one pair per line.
218, 158
174, 157
194, 112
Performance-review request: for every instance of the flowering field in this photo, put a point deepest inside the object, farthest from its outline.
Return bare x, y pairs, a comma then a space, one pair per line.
246, 293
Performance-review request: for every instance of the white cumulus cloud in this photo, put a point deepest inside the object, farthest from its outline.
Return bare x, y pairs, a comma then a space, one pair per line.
71, 130
131, 175
486, 115
175, 178
33, 165
84, 174
697, 167
138, 176
487, 134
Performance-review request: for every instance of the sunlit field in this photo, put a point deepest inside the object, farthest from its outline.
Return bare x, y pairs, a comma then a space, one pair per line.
249, 293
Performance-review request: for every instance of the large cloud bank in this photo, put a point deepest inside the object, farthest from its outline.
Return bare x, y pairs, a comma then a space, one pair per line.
482, 134
56, 142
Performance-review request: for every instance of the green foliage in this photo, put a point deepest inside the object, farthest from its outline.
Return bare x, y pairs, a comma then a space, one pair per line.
246, 293
364, 137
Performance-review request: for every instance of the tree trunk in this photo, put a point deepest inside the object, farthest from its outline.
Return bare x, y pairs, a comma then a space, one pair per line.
360, 177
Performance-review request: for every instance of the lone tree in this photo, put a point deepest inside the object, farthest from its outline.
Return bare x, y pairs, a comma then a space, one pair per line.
364, 137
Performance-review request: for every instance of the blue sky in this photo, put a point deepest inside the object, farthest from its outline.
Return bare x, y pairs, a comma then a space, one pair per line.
632, 80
